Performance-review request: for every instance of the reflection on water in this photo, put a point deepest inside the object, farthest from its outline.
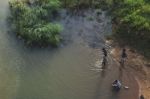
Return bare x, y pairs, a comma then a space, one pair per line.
68, 72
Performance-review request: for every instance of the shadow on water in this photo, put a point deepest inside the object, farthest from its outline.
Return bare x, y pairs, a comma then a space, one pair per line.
103, 73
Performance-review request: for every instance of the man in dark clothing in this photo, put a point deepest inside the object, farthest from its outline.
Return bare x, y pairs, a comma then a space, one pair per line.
124, 55
104, 61
105, 52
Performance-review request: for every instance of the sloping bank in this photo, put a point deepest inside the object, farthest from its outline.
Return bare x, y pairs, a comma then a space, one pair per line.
131, 29
137, 66
131, 24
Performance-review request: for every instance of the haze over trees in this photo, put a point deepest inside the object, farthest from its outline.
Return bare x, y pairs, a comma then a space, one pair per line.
32, 20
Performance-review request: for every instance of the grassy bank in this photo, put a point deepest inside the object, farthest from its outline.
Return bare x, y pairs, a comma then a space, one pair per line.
31, 21
131, 20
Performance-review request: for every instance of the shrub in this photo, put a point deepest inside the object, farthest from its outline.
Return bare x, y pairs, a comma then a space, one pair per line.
84, 3
133, 23
31, 21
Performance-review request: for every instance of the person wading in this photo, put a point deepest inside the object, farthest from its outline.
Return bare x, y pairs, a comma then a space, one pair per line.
104, 57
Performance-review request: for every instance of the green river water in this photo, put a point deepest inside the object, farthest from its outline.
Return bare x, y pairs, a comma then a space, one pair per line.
71, 71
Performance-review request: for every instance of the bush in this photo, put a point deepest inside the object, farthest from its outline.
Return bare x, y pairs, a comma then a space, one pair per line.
76, 4
133, 23
31, 21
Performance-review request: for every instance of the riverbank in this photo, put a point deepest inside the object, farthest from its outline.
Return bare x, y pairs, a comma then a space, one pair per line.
131, 24
137, 65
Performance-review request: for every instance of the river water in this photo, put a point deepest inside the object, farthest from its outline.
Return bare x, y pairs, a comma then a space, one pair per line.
71, 71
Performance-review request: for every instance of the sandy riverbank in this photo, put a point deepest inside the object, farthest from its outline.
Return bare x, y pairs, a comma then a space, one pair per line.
137, 65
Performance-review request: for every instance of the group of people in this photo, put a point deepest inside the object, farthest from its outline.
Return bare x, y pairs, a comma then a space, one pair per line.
122, 60
116, 84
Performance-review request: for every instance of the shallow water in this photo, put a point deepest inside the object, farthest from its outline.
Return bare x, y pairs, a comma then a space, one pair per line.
72, 71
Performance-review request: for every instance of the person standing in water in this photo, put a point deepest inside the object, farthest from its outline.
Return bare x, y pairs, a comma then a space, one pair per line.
104, 57
104, 52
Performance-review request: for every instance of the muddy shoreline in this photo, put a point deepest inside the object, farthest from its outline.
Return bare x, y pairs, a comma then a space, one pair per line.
136, 65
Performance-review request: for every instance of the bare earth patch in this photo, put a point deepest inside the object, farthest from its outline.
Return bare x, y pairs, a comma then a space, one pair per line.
137, 65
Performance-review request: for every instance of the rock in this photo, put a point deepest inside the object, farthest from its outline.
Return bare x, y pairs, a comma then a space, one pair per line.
126, 87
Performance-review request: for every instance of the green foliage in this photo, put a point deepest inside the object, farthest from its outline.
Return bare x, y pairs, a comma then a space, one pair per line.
48, 33
84, 3
31, 21
133, 20
135, 13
